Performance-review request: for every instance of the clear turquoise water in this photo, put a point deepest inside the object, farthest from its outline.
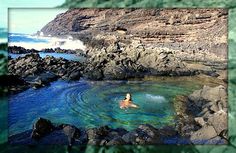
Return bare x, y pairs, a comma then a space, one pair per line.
91, 104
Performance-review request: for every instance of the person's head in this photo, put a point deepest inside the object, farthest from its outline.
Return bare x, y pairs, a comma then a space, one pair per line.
128, 96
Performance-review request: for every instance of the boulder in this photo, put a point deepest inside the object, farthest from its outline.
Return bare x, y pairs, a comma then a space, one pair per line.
98, 133
41, 128
219, 121
144, 134
207, 100
93, 73
116, 141
130, 137
202, 135
41, 79
167, 131
75, 75
200, 121
72, 133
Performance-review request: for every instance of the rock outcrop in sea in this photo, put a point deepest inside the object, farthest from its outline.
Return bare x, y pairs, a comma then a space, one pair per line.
37, 72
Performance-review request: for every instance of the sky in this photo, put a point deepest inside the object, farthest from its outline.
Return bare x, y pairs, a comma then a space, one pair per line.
29, 21
5, 4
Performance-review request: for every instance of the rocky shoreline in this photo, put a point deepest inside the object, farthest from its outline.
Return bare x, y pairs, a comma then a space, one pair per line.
33, 71
107, 65
22, 50
203, 115
45, 132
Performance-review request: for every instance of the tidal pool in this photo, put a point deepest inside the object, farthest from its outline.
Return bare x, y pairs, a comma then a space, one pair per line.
96, 103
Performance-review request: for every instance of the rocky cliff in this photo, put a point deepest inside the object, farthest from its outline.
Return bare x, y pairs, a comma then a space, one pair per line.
157, 41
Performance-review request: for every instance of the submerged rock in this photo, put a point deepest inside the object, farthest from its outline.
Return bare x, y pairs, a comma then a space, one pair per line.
41, 128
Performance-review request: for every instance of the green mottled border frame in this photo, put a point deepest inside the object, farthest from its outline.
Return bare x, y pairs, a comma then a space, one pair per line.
230, 148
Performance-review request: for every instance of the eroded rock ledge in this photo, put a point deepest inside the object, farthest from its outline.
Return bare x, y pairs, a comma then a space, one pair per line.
204, 118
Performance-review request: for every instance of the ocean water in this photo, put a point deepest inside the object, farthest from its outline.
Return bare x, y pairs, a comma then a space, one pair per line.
42, 42
96, 103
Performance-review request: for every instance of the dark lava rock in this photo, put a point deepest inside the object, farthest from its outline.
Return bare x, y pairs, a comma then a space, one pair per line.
72, 132
20, 50
30, 64
13, 83
144, 134
41, 79
97, 133
168, 131
93, 73
116, 141
75, 75
38, 72
41, 128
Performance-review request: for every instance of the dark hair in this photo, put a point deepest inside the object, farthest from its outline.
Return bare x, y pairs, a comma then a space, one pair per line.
130, 96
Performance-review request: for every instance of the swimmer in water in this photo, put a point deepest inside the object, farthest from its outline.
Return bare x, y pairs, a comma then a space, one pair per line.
127, 102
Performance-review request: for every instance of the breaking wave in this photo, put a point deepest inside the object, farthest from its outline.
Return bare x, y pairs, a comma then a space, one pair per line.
43, 42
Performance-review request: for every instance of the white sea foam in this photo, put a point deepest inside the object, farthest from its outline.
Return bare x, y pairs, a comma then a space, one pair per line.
51, 42
156, 98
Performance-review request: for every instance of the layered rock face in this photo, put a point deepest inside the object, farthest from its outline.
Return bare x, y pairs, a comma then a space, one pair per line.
155, 41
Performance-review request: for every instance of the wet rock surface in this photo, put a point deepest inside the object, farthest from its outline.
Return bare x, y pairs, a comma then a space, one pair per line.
38, 72
206, 111
22, 50
45, 132
41, 128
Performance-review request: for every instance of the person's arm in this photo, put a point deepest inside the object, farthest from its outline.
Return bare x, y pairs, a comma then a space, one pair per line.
122, 106
133, 105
